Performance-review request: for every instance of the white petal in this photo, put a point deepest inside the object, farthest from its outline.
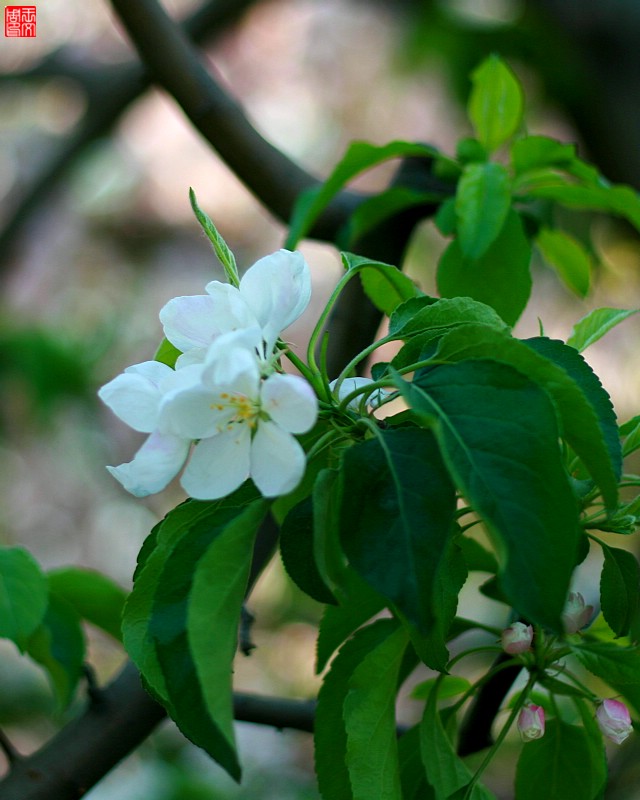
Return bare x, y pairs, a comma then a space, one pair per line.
290, 402
193, 414
232, 362
189, 322
134, 395
218, 465
277, 460
158, 461
277, 288
231, 309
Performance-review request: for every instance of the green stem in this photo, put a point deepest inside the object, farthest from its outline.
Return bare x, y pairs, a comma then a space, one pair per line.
320, 325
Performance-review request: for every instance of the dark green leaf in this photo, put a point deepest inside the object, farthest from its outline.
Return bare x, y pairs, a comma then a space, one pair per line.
496, 103
412, 774
58, 645
95, 597
297, 551
594, 326
424, 314
370, 723
511, 473
616, 665
359, 157
558, 765
568, 257
396, 517
619, 589
483, 200
330, 736
23, 595
446, 772
476, 556
501, 278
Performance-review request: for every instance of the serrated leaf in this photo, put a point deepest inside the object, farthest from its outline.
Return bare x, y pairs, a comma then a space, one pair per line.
180, 650
500, 278
330, 736
95, 597
594, 326
619, 589
533, 152
616, 665
483, 200
370, 723
568, 257
584, 408
446, 772
359, 157
358, 604
396, 517
24, 595
58, 646
510, 472
213, 617
220, 247
562, 756
496, 103
423, 314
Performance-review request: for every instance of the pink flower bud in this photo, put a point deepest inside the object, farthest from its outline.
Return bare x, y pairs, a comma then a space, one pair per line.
576, 614
531, 723
614, 720
517, 638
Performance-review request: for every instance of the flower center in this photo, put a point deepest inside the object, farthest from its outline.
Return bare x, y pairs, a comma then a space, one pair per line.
244, 408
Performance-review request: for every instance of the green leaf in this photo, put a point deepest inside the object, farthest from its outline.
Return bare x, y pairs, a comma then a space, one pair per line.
383, 284
426, 314
358, 603
501, 278
213, 618
558, 765
568, 257
619, 589
477, 557
496, 103
594, 326
412, 775
510, 471
483, 200
597, 753
220, 247
533, 152
95, 597
330, 736
584, 409
167, 353
359, 157
616, 665
370, 722
178, 631
58, 645
632, 441
446, 772
297, 552
396, 517
447, 686
23, 595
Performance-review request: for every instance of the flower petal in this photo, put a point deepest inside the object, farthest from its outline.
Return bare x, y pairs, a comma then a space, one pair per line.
232, 362
277, 460
290, 402
218, 465
193, 413
277, 288
158, 461
135, 396
189, 322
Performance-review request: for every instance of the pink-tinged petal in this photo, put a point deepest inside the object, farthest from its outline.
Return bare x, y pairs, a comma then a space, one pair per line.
194, 413
219, 465
517, 638
290, 402
190, 322
134, 395
154, 465
277, 460
614, 720
531, 723
277, 288
576, 614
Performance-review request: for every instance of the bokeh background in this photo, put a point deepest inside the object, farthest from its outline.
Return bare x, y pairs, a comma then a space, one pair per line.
96, 234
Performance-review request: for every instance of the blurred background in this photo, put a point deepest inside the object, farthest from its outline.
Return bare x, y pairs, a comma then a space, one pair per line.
96, 234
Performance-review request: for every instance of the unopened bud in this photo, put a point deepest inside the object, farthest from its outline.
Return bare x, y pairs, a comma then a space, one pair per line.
614, 720
576, 614
531, 723
517, 638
